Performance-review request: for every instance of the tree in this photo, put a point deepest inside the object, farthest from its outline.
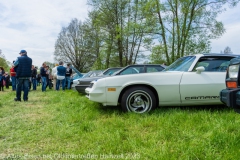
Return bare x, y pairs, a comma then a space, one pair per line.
74, 45
50, 64
125, 27
227, 50
186, 26
3, 62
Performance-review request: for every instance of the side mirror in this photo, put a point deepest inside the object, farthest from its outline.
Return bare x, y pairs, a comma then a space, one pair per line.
200, 69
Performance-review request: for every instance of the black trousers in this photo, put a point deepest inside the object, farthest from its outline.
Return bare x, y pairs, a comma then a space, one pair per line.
1, 85
7, 84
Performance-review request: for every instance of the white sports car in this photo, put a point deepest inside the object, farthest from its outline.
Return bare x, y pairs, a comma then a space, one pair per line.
190, 80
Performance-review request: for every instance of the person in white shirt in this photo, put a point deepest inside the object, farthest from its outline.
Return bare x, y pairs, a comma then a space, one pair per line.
54, 76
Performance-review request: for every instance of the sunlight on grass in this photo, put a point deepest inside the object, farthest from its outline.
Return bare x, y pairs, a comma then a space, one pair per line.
53, 125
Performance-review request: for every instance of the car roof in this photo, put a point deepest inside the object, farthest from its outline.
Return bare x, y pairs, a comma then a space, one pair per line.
221, 54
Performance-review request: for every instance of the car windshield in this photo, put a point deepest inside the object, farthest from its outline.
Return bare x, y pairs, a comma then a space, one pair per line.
92, 73
181, 64
110, 71
87, 74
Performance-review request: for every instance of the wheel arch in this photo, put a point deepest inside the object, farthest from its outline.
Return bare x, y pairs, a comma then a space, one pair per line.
135, 85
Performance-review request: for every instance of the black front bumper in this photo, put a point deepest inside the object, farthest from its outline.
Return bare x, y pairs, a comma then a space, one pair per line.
231, 97
81, 88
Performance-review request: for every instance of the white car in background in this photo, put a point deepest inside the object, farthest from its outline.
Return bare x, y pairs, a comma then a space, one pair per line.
190, 80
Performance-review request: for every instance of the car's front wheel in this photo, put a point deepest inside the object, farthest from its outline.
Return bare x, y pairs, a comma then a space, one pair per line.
138, 99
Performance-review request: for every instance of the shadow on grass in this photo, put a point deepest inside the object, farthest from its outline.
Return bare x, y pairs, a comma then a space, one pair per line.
110, 109
167, 109
206, 108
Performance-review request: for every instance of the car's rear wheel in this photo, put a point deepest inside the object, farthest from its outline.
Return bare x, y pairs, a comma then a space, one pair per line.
138, 99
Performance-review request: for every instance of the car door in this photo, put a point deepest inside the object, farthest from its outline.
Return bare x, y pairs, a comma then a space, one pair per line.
204, 87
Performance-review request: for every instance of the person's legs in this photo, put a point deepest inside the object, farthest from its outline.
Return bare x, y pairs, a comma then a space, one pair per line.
25, 89
34, 82
13, 83
54, 83
58, 84
19, 89
43, 83
47, 82
63, 84
7, 84
1, 84
30, 84
50, 83
68, 82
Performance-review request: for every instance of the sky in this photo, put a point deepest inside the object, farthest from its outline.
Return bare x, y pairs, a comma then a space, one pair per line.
34, 25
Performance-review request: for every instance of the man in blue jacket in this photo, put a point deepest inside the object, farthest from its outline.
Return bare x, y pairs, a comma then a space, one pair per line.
61, 72
23, 66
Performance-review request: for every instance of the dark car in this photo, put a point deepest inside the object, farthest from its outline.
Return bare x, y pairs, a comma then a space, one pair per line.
107, 72
231, 95
131, 69
87, 75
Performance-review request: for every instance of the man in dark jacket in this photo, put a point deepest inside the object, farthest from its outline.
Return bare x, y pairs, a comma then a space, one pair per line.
34, 77
23, 66
43, 73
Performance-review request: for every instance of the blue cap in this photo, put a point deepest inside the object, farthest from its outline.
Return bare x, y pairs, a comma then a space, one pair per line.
23, 51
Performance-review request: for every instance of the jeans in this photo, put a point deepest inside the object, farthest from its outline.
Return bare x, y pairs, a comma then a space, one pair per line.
58, 84
13, 83
68, 82
22, 83
34, 83
44, 83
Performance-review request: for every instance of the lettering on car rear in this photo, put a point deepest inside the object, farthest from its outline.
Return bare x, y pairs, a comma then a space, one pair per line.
201, 97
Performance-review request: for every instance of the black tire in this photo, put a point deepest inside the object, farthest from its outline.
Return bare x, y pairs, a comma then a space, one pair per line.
138, 99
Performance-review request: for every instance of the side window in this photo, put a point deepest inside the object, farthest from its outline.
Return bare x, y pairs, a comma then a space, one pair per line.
223, 67
154, 69
132, 70
213, 64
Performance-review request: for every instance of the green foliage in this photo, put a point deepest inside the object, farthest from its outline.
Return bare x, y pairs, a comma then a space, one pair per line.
65, 123
119, 32
186, 27
4, 63
50, 64
158, 56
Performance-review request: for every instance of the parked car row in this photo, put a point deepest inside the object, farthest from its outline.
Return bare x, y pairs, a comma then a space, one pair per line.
190, 80
83, 83
95, 73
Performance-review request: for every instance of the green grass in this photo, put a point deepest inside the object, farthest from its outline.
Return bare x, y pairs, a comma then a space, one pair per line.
66, 125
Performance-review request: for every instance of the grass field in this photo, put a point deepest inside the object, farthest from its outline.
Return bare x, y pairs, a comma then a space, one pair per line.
66, 125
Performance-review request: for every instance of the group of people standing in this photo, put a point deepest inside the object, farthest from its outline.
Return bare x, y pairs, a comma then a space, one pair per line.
60, 76
24, 75
4, 79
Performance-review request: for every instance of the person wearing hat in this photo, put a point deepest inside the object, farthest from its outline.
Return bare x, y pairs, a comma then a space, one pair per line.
54, 76
23, 66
